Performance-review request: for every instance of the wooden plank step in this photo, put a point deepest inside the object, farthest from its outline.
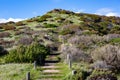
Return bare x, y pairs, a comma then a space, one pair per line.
50, 64
51, 71
48, 79
50, 67
51, 75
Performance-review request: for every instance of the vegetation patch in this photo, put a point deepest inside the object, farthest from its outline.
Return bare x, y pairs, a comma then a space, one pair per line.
29, 54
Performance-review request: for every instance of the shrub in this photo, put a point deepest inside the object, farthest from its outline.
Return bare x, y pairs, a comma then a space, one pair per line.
111, 36
76, 54
65, 32
100, 65
26, 40
115, 41
4, 34
85, 41
33, 52
19, 23
9, 27
30, 20
80, 75
102, 75
50, 25
108, 53
43, 18
3, 51
115, 29
69, 29
19, 32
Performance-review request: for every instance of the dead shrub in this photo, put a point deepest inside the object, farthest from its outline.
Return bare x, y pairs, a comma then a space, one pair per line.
9, 27
76, 53
109, 54
26, 40
4, 34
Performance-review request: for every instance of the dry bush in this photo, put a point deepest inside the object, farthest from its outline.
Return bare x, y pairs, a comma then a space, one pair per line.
103, 77
109, 54
86, 40
26, 40
100, 65
27, 31
19, 23
69, 29
39, 26
19, 32
111, 36
4, 34
7, 44
76, 54
9, 27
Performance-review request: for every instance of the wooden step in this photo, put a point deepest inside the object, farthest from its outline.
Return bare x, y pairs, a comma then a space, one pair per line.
52, 58
50, 64
49, 79
51, 71
51, 76
55, 54
50, 67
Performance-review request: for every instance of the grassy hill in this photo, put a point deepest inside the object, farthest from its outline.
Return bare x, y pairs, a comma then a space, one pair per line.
92, 41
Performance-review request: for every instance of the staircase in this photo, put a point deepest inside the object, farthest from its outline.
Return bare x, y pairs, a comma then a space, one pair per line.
52, 70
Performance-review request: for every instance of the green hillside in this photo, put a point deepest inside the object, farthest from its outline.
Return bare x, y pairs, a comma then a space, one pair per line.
93, 42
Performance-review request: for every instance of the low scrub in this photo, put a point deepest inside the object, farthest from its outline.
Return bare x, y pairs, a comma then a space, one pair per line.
102, 75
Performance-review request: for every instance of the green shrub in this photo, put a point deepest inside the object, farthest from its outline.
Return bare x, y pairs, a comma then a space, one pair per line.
50, 25
115, 40
43, 18
3, 51
79, 75
66, 31
33, 52
115, 29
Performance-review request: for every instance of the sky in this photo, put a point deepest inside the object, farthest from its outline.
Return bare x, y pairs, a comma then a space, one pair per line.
16, 10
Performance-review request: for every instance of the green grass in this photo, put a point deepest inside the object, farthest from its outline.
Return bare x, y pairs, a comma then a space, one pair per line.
118, 76
64, 70
115, 40
18, 71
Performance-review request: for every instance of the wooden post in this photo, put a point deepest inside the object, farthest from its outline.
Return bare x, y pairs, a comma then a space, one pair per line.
70, 64
28, 76
35, 64
68, 58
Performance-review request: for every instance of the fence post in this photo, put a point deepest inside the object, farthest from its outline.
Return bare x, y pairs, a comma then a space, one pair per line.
70, 64
28, 76
35, 64
68, 58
